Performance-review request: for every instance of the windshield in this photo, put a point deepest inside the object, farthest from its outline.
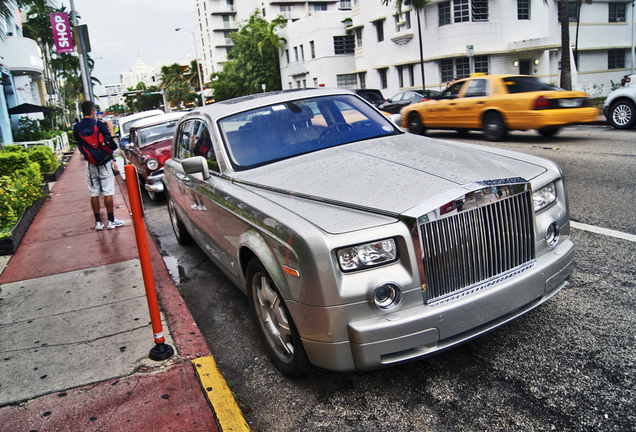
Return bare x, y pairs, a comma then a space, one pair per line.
287, 129
154, 133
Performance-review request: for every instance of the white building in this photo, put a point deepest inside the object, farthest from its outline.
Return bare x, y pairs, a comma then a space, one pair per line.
21, 69
380, 49
141, 72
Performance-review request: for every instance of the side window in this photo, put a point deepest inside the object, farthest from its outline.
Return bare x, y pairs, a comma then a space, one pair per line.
476, 88
183, 141
202, 145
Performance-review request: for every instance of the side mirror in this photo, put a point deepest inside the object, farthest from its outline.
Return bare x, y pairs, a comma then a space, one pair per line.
129, 146
397, 119
196, 164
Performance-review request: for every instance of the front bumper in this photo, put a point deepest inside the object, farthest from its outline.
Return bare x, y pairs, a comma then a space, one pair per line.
154, 182
424, 330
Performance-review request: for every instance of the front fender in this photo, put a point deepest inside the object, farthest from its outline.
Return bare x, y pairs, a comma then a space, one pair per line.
255, 242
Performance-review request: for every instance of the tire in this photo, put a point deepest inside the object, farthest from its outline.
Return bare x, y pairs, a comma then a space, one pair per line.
622, 115
180, 232
155, 196
548, 131
415, 123
274, 323
494, 127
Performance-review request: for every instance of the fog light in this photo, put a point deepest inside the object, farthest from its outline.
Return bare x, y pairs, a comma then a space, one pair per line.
387, 296
552, 234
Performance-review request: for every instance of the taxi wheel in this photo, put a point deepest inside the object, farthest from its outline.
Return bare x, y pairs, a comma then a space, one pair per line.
494, 127
622, 115
549, 131
274, 322
415, 123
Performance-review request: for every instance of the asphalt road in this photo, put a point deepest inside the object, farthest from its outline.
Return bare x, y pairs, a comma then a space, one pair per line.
569, 365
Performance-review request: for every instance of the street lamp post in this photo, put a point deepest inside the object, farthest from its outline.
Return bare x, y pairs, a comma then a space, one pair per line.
196, 59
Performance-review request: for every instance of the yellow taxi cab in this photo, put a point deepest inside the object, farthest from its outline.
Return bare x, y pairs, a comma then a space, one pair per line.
496, 104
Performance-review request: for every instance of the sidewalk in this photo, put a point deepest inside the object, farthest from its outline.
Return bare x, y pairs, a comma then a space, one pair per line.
75, 331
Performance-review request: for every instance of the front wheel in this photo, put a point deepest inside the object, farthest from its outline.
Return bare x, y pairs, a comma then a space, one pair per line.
622, 115
494, 127
548, 131
415, 123
275, 323
182, 235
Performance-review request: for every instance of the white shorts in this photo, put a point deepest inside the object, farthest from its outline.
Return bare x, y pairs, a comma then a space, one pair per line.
101, 179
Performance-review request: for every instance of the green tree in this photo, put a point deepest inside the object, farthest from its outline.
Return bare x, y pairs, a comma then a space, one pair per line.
7, 10
418, 5
253, 61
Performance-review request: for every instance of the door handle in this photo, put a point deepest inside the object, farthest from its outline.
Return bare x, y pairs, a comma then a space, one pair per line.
182, 177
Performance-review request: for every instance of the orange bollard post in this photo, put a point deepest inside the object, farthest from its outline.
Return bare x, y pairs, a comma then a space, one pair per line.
161, 350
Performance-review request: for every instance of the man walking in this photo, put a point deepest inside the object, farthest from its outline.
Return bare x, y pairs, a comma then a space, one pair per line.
99, 168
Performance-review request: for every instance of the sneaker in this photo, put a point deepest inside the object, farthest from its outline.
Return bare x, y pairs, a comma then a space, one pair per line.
99, 226
114, 224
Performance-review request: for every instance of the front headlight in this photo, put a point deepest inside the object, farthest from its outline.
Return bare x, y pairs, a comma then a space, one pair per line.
544, 197
152, 164
367, 255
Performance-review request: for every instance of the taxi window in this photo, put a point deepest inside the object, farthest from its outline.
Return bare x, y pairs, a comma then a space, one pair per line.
477, 88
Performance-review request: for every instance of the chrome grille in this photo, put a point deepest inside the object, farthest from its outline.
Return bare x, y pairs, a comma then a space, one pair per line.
474, 246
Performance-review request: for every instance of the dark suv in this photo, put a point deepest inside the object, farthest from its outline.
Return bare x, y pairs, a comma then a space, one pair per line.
372, 96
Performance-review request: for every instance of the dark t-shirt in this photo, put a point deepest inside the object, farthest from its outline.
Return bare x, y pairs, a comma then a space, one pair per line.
88, 123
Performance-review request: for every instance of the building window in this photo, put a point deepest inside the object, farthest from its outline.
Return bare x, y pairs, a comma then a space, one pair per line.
287, 55
481, 64
345, 5
379, 28
616, 12
446, 70
312, 45
523, 9
407, 19
320, 7
400, 70
348, 81
359, 37
302, 53
411, 76
460, 11
462, 67
480, 10
344, 44
616, 59
296, 53
286, 11
397, 23
444, 10
383, 81
363, 80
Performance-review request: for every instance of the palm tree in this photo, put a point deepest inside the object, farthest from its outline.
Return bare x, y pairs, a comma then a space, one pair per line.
8, 8
418, 5
270, 42
566, 73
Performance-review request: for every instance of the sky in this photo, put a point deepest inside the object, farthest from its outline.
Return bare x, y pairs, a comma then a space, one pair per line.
122, 30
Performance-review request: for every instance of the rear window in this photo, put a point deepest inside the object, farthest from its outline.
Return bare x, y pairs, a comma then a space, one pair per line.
524, 84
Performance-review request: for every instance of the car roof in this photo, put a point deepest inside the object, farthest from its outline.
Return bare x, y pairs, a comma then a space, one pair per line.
157, 119
245, 103
140, 115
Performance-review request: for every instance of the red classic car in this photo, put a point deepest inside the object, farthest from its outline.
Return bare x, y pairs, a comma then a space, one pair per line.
149, 148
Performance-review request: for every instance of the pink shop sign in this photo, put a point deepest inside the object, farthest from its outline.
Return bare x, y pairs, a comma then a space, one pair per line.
62, 33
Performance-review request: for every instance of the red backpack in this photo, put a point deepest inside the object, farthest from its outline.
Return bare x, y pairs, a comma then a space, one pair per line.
96, 151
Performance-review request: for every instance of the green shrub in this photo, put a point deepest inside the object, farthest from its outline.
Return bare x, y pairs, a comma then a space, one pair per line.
13, 162
15, 148
18, 191
45, 157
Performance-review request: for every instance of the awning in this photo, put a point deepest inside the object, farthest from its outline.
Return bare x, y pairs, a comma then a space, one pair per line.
26, 108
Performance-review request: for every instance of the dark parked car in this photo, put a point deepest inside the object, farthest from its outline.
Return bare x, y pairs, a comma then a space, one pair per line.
404, 98
372, 96
360, 246
149, 148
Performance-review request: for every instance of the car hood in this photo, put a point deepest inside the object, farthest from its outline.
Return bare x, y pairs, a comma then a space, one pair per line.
160, 150
389, 175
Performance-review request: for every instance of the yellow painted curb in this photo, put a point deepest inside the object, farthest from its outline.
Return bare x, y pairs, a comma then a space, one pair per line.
219, 395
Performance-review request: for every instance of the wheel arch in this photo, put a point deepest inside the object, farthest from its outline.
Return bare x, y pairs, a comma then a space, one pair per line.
494, 110
252, 244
